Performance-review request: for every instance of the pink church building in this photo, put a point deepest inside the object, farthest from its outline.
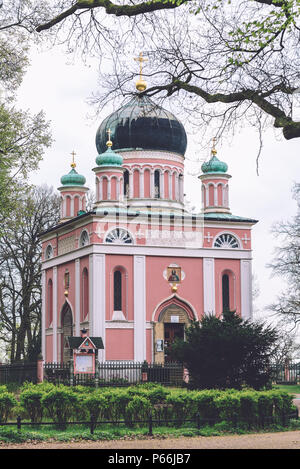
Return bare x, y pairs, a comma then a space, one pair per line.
138, 268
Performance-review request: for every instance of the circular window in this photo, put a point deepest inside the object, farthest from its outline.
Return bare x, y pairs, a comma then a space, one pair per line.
226, 241
119, 236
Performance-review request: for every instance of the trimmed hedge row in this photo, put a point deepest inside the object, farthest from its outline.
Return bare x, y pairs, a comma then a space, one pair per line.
62, 404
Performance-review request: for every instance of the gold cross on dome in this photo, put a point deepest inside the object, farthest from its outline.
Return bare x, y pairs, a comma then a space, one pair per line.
213, 150
140, 59
109, 142
73, 164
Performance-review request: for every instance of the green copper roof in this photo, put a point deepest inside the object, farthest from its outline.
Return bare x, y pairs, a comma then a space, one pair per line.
73, 179
214, 165
109, 158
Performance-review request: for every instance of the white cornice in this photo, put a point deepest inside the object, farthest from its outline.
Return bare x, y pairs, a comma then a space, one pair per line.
142, 250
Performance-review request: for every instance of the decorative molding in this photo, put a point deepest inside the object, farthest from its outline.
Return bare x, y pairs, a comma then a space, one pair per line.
143, 250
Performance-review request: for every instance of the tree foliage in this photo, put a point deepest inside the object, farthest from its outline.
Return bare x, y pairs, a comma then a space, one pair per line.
23, 137
226, 352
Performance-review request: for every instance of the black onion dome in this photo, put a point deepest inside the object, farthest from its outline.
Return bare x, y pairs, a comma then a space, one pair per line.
142, 124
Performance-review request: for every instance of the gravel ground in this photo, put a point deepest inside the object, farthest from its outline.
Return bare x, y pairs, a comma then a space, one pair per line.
282, 440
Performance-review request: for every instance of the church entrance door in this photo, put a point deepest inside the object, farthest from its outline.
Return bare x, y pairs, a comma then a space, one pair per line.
67, 331
172, 332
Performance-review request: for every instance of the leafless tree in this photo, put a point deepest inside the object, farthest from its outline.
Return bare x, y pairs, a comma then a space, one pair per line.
286, 264
20, 273
222, 63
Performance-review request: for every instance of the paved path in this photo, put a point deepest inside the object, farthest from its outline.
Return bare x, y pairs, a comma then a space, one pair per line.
282, 440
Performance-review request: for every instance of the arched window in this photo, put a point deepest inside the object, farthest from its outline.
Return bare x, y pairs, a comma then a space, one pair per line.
67, 331
157, 184
225, 293
117, 290
126, 183
49, 303
85, 294
49, 252
119, 236
84, 239
226, 241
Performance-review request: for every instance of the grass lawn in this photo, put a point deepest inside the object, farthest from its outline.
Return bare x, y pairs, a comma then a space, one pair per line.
290, 388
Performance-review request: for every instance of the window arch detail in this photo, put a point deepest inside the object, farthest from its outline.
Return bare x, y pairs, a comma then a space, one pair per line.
119, 236
49, 252
84, 239
226, 241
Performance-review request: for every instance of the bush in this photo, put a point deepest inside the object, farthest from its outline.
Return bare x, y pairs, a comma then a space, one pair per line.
249, 408
205, 405
7, 403
228, 405
31, 400
138, 408
96, 405
61, 404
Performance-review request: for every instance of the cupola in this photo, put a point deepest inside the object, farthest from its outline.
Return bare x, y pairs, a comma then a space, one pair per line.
73, 193
215, 190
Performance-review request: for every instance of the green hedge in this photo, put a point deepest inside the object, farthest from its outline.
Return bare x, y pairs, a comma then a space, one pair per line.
62, 404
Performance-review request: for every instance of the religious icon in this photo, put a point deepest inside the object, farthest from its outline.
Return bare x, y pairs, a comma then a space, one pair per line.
174, 274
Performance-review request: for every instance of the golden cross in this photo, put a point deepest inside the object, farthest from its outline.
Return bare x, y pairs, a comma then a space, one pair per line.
109, 142
140, 59
73, 164
214, 151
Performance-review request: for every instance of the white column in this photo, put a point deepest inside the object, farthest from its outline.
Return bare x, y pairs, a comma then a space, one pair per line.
77, 297
72, 207
97, 299
142, 175
246, 289
209, 286
152, 184
130, 184
43, 331
215, 195
139, 285
170, 186
162, 185
55, 337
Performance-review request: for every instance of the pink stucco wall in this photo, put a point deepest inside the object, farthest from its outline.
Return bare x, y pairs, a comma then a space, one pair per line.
119, 344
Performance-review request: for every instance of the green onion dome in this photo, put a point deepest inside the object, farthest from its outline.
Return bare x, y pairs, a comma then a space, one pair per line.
142, 124
214, 165
73, 178
109, 158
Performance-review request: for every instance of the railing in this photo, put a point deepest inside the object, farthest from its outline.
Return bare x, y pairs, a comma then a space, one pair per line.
150, 422
288, 372
117, 374
18, 373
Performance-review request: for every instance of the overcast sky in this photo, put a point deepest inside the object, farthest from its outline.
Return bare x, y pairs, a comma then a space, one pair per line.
62, 90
